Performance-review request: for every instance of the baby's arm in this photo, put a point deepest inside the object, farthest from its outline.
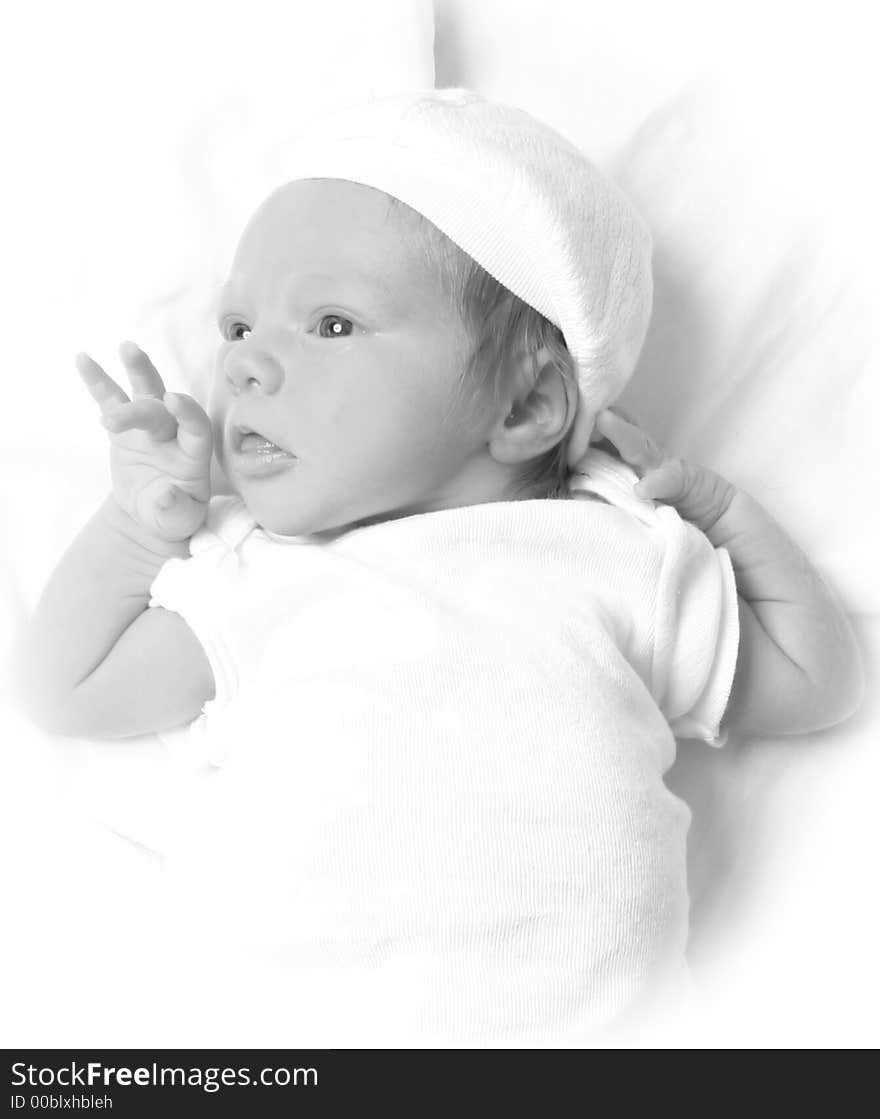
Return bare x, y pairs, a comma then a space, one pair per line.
95, 660
799, 668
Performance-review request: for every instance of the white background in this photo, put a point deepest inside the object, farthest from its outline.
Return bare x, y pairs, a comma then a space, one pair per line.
130, 134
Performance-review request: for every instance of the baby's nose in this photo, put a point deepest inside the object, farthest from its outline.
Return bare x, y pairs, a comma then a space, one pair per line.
248, 371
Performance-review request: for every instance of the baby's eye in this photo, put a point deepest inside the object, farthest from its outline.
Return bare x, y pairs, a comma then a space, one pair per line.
236, 331
335, 326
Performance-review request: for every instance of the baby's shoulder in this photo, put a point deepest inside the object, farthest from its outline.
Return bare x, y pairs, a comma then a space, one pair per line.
634, 537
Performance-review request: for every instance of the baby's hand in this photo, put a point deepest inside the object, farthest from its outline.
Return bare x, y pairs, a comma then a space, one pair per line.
160, 446
700, 496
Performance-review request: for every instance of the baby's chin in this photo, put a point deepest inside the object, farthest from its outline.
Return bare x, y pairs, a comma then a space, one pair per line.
286, 522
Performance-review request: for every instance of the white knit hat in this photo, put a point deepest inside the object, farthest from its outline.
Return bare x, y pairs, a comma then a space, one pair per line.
518, 198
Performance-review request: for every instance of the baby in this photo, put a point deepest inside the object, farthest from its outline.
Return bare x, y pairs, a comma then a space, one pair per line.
432, 707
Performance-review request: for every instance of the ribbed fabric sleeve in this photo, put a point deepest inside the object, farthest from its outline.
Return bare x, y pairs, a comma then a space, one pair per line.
203, 590
696, 632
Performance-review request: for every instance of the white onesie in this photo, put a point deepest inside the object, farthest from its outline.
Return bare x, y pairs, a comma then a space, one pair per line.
432, 773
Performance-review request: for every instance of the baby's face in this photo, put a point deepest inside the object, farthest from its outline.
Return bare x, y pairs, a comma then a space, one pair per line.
341, 357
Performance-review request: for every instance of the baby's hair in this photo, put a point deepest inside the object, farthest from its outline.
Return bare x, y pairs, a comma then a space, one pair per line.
504, 328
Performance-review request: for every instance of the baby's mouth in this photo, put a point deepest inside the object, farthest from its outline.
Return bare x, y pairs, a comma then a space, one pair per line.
255, 456
249, 442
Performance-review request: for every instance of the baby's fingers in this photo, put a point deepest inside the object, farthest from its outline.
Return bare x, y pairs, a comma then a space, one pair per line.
144, 377
146, 414
635, 447
194, 435
699, 495
670, 482
103, 388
